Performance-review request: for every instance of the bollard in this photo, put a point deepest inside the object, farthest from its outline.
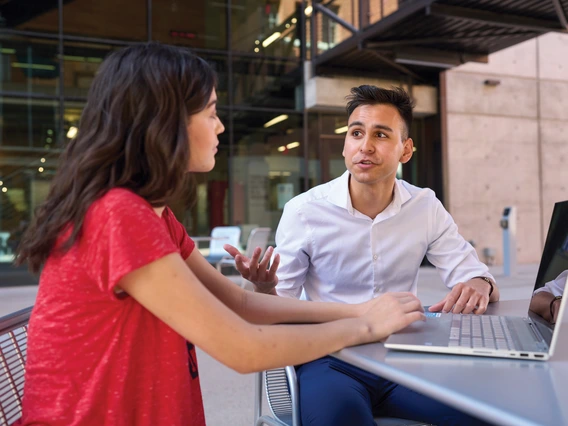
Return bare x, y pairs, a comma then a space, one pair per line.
509, 225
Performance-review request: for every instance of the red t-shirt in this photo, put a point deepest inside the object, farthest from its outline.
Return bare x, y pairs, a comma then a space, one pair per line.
100, 358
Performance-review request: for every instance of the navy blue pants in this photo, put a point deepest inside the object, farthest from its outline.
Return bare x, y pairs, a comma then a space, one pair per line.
334, 393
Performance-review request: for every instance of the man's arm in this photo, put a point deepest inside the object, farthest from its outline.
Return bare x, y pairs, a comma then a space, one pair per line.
546, 305
458, 265
293, 238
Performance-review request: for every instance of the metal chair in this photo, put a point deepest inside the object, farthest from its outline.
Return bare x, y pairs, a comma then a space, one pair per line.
13, 354
258, 238
282, 394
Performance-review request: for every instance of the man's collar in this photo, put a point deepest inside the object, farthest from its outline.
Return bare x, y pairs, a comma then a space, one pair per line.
339, 194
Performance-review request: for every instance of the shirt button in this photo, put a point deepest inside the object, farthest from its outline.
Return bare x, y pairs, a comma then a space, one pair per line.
375, 257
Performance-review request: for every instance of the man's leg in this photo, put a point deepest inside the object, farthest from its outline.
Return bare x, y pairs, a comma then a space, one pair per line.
334, 394
397, 401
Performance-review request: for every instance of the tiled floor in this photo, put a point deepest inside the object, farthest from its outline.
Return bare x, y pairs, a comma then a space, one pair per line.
228, 396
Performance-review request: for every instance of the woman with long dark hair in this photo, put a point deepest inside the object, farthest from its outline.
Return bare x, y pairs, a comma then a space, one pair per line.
122, 289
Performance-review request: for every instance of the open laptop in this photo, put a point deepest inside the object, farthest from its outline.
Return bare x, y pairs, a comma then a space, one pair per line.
530, 337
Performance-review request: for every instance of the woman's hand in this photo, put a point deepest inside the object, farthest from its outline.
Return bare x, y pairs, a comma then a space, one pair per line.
390, 313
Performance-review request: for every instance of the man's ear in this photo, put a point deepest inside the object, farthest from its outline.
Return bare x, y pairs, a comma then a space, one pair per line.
408, 149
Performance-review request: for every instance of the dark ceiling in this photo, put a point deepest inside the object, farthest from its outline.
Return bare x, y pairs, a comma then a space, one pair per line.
424, 36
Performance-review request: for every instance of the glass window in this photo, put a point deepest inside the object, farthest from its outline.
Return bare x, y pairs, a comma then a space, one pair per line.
80, 64
269, 28
274, 83
28, 159
40, 16
197, 23
29, 123
29, 65
110, 19
267, 167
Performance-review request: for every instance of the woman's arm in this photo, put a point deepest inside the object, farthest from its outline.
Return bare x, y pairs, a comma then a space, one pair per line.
264, 309
171, 291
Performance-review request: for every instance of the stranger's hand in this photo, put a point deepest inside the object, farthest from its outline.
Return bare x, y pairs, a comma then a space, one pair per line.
390, 313
264, 279
465, 298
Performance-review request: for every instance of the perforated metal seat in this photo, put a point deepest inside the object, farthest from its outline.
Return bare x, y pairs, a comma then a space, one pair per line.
13, 354
282, 393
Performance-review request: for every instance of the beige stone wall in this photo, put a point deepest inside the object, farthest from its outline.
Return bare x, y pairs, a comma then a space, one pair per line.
508, 144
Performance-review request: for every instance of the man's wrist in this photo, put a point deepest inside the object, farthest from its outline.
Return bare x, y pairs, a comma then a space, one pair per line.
488, 281
553, 307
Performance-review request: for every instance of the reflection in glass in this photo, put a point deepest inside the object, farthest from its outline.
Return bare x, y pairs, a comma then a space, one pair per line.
110, 19
28, 159
266, 28
29, 65
267, 166
553, 270
197, 23
40, 16
80, 64
267, 82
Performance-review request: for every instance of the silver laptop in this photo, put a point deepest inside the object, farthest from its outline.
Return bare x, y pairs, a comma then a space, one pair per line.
530, 337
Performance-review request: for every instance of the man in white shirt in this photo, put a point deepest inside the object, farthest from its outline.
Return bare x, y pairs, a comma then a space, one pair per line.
360, 236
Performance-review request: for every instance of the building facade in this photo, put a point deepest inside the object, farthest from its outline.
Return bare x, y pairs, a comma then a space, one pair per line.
281, 94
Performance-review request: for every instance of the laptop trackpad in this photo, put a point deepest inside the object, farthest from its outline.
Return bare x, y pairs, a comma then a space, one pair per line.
434, 332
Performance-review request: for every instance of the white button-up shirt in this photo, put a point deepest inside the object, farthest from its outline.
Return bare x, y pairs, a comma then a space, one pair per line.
337, 254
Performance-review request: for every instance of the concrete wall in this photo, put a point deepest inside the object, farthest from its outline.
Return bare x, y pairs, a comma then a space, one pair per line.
328, 93
507, 144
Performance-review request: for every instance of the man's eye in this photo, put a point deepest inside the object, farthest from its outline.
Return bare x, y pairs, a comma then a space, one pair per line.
381, 135
356, 133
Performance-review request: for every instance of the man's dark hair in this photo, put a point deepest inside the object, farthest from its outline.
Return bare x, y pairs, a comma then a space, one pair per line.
373, 95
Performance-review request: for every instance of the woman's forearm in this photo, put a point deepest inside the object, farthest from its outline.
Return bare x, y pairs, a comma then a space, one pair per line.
261, 308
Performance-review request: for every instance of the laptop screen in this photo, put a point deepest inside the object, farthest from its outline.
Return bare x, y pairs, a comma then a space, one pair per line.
553, 270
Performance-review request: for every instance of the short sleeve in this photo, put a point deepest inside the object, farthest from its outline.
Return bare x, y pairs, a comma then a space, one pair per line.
179, 234
122, 233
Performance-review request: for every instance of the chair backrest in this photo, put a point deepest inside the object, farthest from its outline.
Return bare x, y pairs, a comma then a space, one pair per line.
282, 396
258, 238
13, 354
223, 235
246, 229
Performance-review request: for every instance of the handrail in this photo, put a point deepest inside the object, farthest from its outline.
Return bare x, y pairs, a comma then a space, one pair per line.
15, 320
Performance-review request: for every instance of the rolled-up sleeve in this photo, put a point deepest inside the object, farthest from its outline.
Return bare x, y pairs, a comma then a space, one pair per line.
454, 258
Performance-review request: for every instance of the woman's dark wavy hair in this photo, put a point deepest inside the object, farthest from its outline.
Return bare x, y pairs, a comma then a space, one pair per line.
132, 134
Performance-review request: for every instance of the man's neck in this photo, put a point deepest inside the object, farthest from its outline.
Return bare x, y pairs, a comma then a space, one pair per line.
371, 200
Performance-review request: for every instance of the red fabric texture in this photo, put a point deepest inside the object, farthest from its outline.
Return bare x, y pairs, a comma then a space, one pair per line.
100, 358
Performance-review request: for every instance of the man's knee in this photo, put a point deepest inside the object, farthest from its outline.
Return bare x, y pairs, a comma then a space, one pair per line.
332, 398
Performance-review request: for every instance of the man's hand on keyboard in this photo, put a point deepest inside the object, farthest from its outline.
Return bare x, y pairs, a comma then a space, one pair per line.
465, 298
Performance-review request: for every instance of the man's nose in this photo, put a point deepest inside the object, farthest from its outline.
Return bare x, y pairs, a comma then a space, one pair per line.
366, 145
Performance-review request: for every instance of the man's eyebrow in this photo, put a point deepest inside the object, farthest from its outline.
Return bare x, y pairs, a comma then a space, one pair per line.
376, 126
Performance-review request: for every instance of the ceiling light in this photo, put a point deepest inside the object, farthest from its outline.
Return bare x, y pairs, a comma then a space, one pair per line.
340, 130
281, 148
257, 42
4, 189
42, 160
40, 170
72, 132
294, 20
308, 10
414, 149
1, 183
275, 120
270, 39
256, 49
293, 145
33, 66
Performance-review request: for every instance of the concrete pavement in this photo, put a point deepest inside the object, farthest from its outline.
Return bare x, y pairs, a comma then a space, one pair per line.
228, 396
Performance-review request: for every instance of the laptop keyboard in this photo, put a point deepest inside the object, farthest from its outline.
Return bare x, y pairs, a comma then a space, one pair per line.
480, 331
